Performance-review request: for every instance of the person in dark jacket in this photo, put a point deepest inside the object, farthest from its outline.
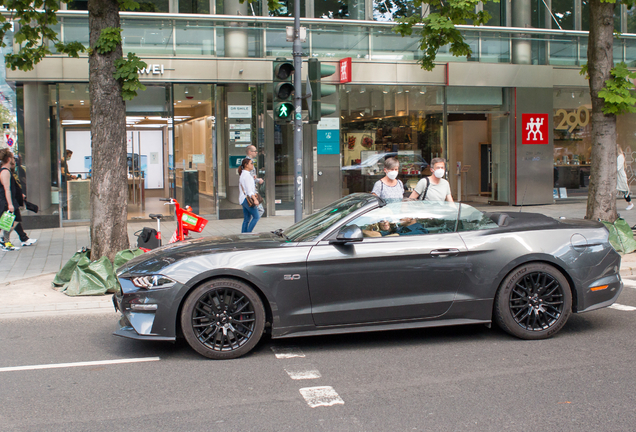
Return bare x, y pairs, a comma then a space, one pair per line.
20, 197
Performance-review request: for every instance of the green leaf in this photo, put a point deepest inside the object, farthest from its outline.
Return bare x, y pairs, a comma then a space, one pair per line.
109, 39
127, 73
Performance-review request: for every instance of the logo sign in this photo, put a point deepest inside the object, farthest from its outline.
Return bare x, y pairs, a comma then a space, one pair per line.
345, 70
534, 129
239, 111
235, 161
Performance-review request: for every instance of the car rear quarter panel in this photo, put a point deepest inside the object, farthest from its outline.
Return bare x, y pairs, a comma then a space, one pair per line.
493, 254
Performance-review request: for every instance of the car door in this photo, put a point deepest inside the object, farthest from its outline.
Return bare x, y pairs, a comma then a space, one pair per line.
401, 275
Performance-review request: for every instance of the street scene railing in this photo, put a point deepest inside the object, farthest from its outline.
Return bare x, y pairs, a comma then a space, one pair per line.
185, 35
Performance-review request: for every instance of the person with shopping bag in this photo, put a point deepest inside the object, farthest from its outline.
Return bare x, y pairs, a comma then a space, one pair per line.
8, 203
248, 197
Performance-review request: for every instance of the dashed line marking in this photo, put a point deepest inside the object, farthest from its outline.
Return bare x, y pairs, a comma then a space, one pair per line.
622, 307
321, 396
300, 373
287, 352
78, 364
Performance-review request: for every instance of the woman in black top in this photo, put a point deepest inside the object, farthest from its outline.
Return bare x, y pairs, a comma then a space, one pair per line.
7, 195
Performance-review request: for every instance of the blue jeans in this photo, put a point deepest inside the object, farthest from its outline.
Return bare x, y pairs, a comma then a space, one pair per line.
250, 217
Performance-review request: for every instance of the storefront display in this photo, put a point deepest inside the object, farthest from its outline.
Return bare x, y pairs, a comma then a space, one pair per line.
379, 122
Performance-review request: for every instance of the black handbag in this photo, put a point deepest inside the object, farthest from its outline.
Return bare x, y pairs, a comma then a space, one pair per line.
31, 207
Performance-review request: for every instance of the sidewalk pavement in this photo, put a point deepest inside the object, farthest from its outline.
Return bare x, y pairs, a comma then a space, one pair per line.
26, 275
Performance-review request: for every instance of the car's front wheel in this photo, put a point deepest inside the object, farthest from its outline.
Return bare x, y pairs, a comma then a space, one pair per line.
533, 302
223, 319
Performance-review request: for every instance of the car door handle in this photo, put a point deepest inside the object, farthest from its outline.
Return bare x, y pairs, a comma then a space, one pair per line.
444, 252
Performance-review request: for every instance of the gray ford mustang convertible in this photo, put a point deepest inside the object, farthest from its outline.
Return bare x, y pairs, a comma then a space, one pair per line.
362, 264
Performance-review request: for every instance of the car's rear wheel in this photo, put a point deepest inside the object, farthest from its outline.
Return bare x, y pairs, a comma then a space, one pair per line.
223, 319
533, 302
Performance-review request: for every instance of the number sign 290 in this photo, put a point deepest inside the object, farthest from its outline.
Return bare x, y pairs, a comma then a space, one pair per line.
572, 119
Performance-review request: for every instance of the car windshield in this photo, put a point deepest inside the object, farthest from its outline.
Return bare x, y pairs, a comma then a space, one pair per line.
312, 226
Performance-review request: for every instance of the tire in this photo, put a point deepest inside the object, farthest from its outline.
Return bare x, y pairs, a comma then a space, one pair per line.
533, 302
223, 319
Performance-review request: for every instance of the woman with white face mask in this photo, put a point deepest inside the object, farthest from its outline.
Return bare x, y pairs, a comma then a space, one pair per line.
434, 187
389, 188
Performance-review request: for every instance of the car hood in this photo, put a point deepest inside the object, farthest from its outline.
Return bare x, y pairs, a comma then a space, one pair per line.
157, 259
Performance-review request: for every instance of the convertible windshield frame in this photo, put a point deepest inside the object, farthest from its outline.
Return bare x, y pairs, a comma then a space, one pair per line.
315, 226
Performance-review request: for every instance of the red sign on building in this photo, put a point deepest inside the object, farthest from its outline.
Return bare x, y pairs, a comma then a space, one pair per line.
534, 129
345, 70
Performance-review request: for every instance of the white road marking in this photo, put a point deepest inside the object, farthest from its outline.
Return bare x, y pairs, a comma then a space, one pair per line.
321, 396
78, 364
287, 352
302, 373
623, 307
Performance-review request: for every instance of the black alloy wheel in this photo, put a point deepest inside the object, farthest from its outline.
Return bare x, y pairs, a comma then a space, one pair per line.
533, 302
223, 319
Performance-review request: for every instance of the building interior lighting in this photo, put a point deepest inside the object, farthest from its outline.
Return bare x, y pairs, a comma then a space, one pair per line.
385, 90
423, 90
200, 90
572, 95
186, 90
86, 89
362, 89
72, 89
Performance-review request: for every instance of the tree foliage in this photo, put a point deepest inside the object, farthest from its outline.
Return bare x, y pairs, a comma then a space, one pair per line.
438, 27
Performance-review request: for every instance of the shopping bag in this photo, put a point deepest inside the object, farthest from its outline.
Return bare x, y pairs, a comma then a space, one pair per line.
6, 220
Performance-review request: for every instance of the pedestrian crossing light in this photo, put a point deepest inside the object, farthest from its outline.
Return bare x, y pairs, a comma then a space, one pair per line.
283, 90
317, 108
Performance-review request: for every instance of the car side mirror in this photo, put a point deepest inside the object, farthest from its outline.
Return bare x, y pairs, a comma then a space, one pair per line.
349, 234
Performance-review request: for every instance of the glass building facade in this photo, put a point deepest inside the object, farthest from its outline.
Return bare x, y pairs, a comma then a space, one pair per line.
205, 64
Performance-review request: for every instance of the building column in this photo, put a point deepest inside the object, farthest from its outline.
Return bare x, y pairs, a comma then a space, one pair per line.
521, 17
37, 144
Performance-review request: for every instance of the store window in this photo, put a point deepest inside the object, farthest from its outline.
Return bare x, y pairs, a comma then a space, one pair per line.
194, 6
563, 11
572, 142
339, 9
194, 124
286, 9
478, 143
144, 5
391, 10
389, 121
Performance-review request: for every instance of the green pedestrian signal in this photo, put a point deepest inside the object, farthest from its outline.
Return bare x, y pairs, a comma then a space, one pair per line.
284, 111
317, 108
283, 90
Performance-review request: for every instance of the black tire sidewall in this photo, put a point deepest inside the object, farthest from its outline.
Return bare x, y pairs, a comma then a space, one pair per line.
192, 300
503, 314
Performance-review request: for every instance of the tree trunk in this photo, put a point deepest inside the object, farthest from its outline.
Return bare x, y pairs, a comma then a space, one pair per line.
601, 198
109, 184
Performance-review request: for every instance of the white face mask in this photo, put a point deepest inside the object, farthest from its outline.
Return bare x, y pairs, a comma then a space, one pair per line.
392, 174
439, 173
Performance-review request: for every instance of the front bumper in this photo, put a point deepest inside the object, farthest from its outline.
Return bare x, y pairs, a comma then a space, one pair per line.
146, 314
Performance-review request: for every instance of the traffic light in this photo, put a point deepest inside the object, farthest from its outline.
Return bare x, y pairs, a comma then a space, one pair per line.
316, 72
283, 90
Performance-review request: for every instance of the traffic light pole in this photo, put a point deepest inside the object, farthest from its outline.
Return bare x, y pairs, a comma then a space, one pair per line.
298, 124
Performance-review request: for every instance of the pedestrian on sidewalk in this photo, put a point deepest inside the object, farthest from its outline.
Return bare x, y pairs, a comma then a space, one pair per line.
7, 195
20, 197
247, 187
621, 177
251, 153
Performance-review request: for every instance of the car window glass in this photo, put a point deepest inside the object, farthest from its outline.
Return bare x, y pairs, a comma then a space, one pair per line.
408, 218
471, 219
312, 226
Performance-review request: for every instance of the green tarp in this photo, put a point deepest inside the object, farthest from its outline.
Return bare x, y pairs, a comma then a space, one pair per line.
82, 277
621, 236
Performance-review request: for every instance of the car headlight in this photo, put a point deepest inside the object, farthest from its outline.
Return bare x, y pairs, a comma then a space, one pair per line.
152, 282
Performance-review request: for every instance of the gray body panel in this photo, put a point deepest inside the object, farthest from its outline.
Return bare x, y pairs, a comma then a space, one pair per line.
377, 284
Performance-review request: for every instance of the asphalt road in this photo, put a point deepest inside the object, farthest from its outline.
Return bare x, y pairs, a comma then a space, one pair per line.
453, 379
